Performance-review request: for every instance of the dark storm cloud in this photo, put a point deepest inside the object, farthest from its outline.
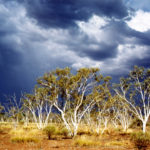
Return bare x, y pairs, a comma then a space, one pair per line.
13, 76
37, 36
10, 59
22, 52
144, 61
64, 13
120, 30
102, 53
143, 38
9, 56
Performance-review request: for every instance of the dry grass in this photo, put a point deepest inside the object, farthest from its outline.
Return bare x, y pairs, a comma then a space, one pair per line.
85, 140
123, 143
141, 140
6, 125
88, 130
21, 135
86, 136
111, 137
24, 139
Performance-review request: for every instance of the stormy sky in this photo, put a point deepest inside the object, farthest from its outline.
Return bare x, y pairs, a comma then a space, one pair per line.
37, 36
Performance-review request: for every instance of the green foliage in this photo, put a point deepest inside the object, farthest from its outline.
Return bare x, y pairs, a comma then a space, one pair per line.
53, 131
63, 132
141, 140
50, 130
70, 87
78, 92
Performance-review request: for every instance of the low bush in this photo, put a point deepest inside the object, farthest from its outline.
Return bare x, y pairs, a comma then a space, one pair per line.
85, 130
50, 130
141, 140
136, 123
63, 132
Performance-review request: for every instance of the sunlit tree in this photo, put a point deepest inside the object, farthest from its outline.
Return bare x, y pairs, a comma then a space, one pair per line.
73, 95
135, 91
39, 105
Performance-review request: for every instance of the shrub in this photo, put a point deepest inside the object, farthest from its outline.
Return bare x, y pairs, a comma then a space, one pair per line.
64, 132
50, 130
141, 140
136, 123
85, 130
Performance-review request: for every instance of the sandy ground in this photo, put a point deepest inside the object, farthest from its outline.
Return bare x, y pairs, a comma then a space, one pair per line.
63, 144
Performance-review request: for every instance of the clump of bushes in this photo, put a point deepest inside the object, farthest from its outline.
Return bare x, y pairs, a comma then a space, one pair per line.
53, 131
141, 140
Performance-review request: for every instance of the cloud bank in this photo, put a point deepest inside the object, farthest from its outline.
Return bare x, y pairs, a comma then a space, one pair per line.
40, 35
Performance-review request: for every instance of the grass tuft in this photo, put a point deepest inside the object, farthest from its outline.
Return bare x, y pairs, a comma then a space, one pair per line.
24, 139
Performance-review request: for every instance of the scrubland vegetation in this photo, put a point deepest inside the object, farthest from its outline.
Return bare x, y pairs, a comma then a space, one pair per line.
80, 110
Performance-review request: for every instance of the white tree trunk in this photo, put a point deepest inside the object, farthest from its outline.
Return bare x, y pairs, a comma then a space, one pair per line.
144, 126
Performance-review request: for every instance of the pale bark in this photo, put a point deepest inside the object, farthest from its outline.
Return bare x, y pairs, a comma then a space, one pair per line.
141, 112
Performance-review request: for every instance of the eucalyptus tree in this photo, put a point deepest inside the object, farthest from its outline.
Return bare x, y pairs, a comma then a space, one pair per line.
121, 114
73, 95
13, 109
135, 92
102, 113
39, 105
97, 118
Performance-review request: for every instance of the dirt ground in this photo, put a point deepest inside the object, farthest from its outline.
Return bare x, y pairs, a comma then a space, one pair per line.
62, 144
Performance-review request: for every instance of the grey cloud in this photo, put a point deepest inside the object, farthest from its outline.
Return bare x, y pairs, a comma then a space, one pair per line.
64, 13
104, 52
21, 63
